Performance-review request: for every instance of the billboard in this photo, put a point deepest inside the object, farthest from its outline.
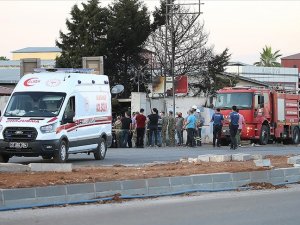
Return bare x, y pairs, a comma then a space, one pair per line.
181, 85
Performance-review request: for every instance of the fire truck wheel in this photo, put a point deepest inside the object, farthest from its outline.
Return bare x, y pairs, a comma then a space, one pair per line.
264, 135
100, 152
296, 136
4, 158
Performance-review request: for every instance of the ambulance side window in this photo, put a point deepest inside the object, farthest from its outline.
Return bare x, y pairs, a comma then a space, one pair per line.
69, 111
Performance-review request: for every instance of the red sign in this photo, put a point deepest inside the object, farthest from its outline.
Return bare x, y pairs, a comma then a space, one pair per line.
31, 81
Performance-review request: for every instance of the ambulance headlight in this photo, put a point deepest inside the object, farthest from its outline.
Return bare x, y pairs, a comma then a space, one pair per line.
48, 128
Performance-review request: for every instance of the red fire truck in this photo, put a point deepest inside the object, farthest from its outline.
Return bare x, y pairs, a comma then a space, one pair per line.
270, 114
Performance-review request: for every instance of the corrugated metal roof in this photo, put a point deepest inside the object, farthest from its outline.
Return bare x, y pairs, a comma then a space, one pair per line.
16, 63
9, 76
37, 50
296, 56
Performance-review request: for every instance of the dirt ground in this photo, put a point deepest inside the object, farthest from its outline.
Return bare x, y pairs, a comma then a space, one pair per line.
118, 172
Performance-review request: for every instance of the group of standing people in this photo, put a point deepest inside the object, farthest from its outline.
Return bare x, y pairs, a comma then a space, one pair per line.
131, 129
157, 127
236, 122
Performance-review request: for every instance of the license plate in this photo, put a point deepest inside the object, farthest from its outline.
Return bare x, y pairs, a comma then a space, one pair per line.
18, 145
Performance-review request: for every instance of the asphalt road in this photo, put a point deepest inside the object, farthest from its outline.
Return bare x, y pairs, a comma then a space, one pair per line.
280, 207
133, 156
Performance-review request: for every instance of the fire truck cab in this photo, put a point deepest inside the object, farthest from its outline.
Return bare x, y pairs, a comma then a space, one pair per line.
270, 114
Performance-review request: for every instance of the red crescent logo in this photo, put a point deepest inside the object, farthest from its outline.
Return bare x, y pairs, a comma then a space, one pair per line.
31, 81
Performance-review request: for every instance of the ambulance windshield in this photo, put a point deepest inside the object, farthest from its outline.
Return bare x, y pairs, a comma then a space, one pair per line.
35, 104
227, 100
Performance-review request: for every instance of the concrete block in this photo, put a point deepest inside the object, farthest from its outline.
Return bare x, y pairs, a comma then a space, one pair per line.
241, 157
182, 188
159, 182
241, 176
276, 173
220, 158
106, 193
159, 190
201, 179
204, 187
192, 160
80, 197
108, 186
260, 176
175, 181
53, 167
256, 157
133, 192
292, 178
80, 188
221, 177
51, 200
291, 171
51, 191
17, 194
241, 183
277, 180
13, 167
223, 185
134, 184
204, 158
293, 160
262, 162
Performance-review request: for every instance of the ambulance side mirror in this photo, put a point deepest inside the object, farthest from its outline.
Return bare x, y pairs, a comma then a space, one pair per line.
68, 117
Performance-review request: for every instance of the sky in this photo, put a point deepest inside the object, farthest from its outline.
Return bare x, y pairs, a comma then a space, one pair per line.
242, 26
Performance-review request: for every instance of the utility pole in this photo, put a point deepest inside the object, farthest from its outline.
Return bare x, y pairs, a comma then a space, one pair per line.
170, 13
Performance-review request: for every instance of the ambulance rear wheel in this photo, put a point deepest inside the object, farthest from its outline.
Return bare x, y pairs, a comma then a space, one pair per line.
296, 136
264, 135
4, 158
100, 152
61, 155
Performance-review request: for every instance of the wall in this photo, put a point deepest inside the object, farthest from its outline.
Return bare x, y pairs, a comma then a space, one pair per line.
41, 55
291, 63
3, 101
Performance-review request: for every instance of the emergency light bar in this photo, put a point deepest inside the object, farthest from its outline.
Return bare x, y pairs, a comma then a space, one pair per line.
64, 70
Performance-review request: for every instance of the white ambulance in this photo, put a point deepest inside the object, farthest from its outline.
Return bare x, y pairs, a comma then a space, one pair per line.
54, 114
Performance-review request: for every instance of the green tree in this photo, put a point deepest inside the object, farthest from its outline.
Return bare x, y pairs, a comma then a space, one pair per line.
211, 78
86, 29
129, 28
3, 58
268, 58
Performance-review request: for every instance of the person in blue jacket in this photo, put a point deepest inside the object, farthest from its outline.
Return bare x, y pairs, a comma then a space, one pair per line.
233, 127
217, 119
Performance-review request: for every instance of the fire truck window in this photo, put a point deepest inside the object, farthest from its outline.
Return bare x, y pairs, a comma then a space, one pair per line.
266, 98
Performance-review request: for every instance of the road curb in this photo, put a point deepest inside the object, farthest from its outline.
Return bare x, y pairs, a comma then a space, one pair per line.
70, 193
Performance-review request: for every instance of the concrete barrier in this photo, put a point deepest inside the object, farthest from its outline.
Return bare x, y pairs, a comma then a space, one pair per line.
63, 194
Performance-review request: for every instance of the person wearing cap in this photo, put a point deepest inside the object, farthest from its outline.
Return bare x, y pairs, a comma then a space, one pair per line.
171, 129
190, 127
179, 128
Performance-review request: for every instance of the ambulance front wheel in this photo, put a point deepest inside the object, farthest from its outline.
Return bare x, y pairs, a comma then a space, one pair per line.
100, 152
4, 158
61, 155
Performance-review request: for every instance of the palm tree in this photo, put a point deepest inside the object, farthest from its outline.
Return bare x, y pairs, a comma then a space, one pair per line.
268, 59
